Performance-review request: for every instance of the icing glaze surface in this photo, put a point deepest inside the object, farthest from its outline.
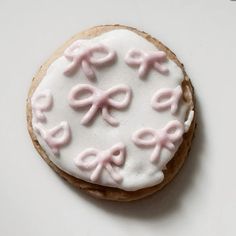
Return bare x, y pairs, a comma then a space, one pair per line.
84, 156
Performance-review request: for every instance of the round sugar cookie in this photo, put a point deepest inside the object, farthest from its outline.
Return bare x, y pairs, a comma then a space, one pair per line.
112, 112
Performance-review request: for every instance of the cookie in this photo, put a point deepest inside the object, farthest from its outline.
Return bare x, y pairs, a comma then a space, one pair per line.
112, 112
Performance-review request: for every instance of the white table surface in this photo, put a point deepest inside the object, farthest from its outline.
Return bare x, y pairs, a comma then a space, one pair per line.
202, 198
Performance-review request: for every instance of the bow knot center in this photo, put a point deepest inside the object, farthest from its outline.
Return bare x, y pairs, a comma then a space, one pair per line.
104, 157
162, 138
100, 98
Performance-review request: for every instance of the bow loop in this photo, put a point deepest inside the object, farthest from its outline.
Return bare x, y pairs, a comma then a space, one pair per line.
166, 98
87, 69
77, 92
134, 57
107, 55
73, 50
119, 89
174, 130
145, 137
84, 161
118, 154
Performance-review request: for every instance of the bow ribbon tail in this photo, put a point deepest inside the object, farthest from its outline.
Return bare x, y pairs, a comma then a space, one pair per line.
107, 117
71, 68
155, 156
143, 70
89, 115
170, 146
174, 108
117, 177
96, 173
88, 70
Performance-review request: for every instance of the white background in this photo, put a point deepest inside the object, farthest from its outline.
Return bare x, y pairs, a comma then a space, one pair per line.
202, 198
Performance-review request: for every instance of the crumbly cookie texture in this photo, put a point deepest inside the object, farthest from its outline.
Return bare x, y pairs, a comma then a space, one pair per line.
138, 157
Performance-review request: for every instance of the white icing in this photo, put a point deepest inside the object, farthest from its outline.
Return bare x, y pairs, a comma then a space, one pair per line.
189, 120
137, 172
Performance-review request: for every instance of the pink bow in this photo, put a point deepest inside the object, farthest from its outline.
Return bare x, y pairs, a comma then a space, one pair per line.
42, 102
167, 98
103, 160
163, 138
99, 99
86, 59
56, 137
146, 60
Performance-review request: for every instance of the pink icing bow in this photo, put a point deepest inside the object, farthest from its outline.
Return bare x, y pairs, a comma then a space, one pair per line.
99, 99
167, 98
56, 137
146, 60
103, 160
163, 138
84, 58
41, 102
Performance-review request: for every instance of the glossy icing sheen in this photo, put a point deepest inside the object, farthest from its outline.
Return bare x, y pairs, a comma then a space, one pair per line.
103, 144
